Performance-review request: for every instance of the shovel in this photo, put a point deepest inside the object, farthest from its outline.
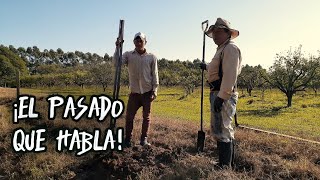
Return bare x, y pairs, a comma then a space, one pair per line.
201, 133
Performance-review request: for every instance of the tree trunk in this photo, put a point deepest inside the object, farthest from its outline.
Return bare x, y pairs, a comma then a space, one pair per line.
249, 91
262, 94
289, 96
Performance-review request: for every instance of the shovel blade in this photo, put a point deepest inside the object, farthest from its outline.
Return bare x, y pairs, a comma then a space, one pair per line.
200, 141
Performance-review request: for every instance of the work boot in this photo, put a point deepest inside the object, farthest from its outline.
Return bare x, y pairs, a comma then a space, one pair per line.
144, 142
127, 143
225, 154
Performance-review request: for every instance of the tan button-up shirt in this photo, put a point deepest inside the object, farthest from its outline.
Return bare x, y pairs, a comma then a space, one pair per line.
143, 71
231, 68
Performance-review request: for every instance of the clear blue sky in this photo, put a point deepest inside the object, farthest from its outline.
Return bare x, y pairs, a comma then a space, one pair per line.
173, 28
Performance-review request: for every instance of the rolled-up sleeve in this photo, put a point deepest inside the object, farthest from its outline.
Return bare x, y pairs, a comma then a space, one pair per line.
155, 76
116, 57
230, 68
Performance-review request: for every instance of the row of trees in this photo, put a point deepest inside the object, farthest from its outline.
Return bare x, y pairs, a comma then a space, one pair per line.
52, 68
290, 73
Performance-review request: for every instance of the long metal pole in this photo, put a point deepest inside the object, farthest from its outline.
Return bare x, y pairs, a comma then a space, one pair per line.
116, 85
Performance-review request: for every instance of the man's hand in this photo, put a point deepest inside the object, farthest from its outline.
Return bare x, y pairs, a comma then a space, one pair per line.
217, 104
203, 66
153, 96
118, 42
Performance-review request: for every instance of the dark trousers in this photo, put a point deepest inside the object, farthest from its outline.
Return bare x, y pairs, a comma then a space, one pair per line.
134, 103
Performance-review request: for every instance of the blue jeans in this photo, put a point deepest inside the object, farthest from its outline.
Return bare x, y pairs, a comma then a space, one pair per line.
221, 127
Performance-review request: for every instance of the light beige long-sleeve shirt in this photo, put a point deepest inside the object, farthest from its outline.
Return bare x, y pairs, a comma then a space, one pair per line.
143, 71
231, 68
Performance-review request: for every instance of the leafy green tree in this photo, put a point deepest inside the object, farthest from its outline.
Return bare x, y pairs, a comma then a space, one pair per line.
35, 80
87, 58
315, 82
14, 59
7, 70
23, 54
250, 78
72, 59
168, 78
9, 63
107, 58
102, 74
48, 68
28, 81
124, 79
66, 79
60, 55
53, 57
292, 72
81, 78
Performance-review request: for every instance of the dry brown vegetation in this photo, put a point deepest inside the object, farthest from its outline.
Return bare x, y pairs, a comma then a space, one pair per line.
6, 97
7, 92
171, 156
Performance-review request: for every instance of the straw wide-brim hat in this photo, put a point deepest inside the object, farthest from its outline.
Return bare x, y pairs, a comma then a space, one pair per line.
224, 24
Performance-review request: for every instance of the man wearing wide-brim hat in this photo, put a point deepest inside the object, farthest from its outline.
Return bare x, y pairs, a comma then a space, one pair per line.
223, 70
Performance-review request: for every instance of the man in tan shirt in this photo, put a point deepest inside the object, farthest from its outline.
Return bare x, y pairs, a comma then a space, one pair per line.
144, 82
222, 77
